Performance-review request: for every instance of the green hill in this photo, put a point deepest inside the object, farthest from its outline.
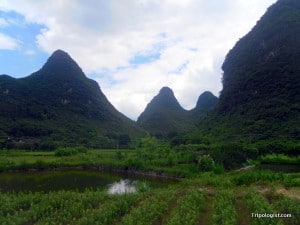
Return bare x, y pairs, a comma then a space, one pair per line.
260, 99
164, 117
59, 105
205, 104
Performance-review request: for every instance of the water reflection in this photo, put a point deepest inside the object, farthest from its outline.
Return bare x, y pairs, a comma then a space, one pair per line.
122, 186
46, 181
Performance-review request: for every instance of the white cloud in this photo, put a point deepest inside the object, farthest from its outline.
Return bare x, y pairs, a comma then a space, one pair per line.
191, 38
8, 43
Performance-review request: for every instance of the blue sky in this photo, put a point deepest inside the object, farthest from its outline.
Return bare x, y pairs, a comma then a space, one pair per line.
132, 48
25, 57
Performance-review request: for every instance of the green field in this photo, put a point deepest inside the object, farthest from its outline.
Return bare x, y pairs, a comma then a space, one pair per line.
168, 163
205, 199
205, 194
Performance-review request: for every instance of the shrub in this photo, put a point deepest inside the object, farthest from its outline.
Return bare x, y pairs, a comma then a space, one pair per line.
66, 152
206, 163
232, 155
81, 149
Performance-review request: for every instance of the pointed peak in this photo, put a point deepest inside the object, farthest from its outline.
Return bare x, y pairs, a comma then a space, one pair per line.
166, 98
62, 64
166, 90
60, 54
166, 93
206, 94
206, 100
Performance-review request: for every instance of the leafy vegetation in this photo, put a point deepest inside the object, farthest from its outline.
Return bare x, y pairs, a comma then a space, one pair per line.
149, 210
287, 205
280, 159
255, 122
188, 208
259, 205
180, 203
89, 207
62, 108
260, 97
164, 117
224, 210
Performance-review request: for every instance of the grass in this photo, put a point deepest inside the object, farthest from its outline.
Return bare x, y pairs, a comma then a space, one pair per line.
107, 159
181, 203
280, 159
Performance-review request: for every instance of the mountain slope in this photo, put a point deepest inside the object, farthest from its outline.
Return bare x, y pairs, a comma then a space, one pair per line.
60, 104
205, 104
164, 117
261, 82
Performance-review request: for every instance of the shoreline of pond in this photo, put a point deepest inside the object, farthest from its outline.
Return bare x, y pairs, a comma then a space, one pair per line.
100, 168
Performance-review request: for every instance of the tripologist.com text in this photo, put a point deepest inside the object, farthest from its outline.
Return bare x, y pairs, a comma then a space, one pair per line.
271, 215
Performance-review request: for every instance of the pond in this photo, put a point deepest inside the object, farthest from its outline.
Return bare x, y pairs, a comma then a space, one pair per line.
284, 168
76, 180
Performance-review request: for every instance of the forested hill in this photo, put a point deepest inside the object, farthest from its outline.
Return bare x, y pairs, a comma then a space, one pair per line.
59, 105
260, 99
164, 117
205, 104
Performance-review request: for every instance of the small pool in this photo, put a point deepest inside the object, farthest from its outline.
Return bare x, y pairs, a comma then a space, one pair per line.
80, 180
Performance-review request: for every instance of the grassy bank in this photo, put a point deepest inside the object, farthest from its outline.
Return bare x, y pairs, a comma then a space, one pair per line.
214, 197
157, 160
108, 159
182, 203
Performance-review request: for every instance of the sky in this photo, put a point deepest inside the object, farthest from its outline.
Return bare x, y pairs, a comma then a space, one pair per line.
132, 48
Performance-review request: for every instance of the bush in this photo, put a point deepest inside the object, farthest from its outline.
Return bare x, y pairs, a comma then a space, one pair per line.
66, 152
250, 177
232, 155
219, 169
280, 159
192, 147
143, 186
206, 163
81, 149
134, 164
276, 146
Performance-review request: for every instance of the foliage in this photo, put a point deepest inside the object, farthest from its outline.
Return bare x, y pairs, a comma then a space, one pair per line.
232, 155
66, 152
280, 159
149, 210
260, 97
63, 207
142, 186
258, 204
262, 176
180, 203
206, 163
187, 209
164, 118
276, 147
224, 210
288, 206
62, 107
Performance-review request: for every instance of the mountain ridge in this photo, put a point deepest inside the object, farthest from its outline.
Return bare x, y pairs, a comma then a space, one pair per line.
63, 102
164, 117
260, 96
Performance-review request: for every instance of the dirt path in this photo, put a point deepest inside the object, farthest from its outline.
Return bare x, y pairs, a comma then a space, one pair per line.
292, 192
206, 214
170, 208
242, 212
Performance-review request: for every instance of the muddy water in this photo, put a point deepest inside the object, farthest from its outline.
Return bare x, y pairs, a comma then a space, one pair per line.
75, 180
